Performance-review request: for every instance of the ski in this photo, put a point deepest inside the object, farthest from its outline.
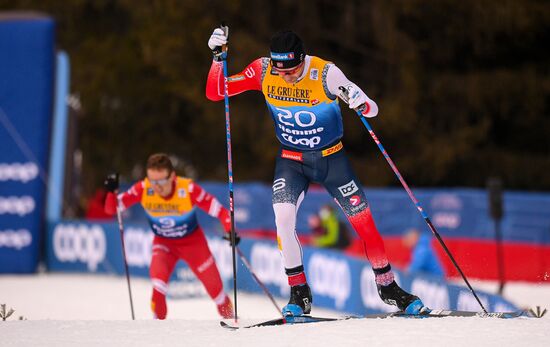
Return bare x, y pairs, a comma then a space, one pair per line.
431, 314
288, 321
451, 313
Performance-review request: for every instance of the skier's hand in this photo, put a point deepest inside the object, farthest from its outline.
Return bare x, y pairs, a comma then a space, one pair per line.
216, 41
111, 182
356, 96
360, 101
227, 237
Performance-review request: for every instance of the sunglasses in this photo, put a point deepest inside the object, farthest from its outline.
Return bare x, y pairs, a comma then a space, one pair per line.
160, 182
287, 71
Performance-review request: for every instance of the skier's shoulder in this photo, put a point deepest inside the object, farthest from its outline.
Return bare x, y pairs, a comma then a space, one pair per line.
186, 183
319, 61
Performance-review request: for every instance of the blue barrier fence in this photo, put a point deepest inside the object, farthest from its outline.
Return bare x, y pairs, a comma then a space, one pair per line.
338, 282
455, 212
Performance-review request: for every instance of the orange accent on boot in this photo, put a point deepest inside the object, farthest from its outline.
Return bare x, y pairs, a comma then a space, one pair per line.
226, 309
158, 305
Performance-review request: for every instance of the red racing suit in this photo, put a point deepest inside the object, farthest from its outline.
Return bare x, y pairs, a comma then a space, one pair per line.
178, 235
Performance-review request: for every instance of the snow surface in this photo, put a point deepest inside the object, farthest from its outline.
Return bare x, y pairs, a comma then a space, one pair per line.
94, 310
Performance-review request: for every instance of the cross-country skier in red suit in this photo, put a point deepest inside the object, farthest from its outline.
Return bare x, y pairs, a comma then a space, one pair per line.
301, 95
169, 202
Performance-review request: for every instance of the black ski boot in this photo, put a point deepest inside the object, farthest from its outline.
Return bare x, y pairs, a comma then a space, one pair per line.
392, 294
300, 301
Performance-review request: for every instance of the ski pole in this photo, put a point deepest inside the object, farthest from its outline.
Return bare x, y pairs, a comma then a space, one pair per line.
121, 229
344, 96
225, 28
264, 288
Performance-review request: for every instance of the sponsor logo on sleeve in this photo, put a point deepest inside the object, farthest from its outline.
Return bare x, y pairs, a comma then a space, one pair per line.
235, 78
249, 72
314, 74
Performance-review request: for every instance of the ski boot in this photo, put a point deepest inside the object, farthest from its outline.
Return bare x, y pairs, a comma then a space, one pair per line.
300, 301
226, 309
392, 294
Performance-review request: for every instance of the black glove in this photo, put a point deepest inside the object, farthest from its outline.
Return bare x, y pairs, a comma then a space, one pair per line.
111, 182
227, 237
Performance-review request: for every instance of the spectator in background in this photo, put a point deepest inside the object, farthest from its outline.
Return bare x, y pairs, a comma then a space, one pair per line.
423, 257
95, 208
328, 231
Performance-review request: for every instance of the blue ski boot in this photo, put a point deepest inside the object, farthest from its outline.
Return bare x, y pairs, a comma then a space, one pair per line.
300, 301
392, 294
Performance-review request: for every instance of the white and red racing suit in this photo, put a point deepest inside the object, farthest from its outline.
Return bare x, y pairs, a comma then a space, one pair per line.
178, 236
308, 124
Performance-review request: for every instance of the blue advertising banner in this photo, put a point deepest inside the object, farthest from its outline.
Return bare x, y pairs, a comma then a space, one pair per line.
347, 284
456, 213
460, 216
97, 248
27, 61
337, 281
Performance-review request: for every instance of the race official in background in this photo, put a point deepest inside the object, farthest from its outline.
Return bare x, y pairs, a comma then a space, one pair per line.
327, 230
423, 256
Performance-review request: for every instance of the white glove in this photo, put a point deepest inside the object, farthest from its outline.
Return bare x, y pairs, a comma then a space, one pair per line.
356, 96
359, 100
217, 39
